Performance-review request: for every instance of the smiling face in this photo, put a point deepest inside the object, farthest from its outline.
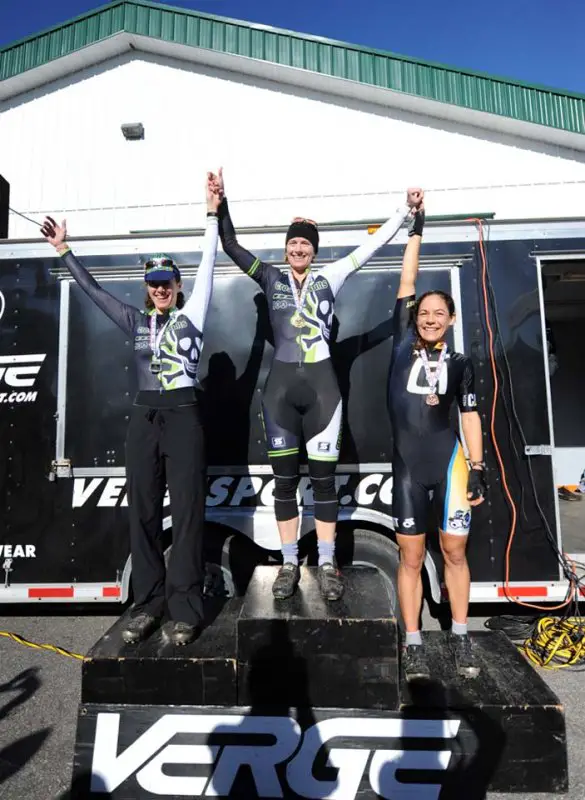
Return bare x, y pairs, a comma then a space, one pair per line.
163, 294
299, 254
433, 318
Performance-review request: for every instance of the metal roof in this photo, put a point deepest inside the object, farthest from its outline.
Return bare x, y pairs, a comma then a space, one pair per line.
465, 89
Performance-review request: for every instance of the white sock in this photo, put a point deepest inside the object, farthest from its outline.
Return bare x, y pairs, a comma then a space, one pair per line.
413, 638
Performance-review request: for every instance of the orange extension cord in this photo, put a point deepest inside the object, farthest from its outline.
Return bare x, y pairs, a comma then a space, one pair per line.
508, 494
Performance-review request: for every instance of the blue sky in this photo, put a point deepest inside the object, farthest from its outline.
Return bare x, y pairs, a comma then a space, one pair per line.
538, 41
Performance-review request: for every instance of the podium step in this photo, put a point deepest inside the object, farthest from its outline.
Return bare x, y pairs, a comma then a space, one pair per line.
508, 710
452, 738
307, 652
304, 698
154, 672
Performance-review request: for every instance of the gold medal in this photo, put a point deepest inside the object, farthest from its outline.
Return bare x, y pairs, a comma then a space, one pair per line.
297, 318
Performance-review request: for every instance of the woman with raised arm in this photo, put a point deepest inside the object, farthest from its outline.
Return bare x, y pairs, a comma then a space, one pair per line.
426, 378
301, 396
164, 444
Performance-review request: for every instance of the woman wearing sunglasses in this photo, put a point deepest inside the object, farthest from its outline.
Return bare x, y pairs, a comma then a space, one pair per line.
164, 444
301, 396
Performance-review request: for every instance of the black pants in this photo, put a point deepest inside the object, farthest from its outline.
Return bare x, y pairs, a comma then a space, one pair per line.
165, 446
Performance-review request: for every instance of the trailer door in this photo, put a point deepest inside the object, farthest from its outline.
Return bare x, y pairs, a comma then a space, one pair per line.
96, 379
562, 309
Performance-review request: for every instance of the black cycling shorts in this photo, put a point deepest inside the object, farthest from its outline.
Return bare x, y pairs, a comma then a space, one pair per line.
302, 400
417, 479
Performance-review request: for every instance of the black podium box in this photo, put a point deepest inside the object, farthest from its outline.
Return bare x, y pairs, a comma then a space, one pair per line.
308, 652
155, 672
512, 726
304, 698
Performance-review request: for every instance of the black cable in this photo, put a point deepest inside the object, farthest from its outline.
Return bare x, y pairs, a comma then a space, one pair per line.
498, 338
515, 627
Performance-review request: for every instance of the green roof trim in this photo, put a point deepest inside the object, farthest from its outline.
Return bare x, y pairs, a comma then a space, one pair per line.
540, 105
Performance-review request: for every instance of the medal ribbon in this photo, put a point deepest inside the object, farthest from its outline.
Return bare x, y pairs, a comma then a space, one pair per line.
433, 376
156, 339
299, 299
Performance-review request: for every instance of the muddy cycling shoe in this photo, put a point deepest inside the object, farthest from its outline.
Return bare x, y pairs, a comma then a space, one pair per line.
286, 581
330, 582
414, 663
179, 632
139, 627
465, 659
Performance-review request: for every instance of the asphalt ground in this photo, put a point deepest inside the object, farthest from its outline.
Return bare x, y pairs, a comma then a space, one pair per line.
40, 691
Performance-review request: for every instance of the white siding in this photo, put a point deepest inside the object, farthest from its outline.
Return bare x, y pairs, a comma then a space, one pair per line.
284, 154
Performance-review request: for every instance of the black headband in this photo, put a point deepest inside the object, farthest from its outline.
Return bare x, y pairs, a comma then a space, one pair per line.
304, 230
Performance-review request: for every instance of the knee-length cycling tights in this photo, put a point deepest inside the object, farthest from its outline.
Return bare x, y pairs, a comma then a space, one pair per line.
301, 396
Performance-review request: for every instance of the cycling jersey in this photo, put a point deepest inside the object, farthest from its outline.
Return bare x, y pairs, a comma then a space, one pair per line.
408, 386
301, 393
311, 342
178, 333
427, 453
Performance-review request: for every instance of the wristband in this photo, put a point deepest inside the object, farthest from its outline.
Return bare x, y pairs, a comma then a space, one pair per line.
212, 213
480, 464
417, 224
64, 252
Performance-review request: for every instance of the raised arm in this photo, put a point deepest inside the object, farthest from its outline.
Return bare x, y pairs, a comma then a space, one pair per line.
338, 272
196, 306
241, 257
122, 314
410, 260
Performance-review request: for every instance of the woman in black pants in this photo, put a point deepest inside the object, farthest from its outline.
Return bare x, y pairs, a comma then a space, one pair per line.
165, 444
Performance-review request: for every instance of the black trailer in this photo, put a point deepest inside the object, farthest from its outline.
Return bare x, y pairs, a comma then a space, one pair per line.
66, 384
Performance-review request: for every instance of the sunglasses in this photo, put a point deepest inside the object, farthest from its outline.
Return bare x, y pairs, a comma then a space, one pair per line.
308, 221
159, 284
159, 262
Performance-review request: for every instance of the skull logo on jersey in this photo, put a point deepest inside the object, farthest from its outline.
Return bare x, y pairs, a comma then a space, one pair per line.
189, 350
319, 310
181, 350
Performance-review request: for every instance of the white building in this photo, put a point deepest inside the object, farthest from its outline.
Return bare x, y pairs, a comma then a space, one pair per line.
327, 130
300, 124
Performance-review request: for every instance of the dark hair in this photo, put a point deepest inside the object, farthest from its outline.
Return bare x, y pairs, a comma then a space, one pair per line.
448, 300
180, 301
